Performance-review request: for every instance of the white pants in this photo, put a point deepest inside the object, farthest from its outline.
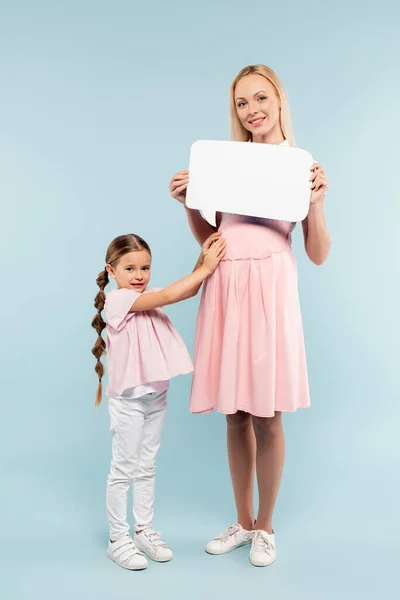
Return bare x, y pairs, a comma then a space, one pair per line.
136, 427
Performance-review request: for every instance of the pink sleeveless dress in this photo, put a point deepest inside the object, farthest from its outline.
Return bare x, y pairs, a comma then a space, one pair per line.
249, 348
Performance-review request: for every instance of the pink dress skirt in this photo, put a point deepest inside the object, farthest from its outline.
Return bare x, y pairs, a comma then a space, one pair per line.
249, 348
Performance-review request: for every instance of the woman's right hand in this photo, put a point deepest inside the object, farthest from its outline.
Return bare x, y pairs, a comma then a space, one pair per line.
178, 185
214, 254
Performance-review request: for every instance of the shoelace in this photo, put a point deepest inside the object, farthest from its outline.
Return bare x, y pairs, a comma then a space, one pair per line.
154, 538
261, 542
232, 530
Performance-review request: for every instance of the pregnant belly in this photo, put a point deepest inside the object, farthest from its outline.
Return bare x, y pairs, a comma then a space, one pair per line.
250, 240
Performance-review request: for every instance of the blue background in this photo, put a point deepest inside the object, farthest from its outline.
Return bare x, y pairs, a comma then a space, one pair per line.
99, 104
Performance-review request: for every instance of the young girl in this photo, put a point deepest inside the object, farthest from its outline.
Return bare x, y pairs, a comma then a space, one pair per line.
144, 352
249, 322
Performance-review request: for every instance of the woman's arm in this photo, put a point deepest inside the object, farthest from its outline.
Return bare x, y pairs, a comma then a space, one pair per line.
199, 227
317, 240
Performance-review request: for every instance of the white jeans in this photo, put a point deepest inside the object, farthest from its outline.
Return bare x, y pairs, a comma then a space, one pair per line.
136, 427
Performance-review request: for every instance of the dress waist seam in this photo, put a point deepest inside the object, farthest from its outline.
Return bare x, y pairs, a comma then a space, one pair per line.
269, 255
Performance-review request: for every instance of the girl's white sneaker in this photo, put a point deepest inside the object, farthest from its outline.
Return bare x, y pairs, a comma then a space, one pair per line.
150, 542
126, 555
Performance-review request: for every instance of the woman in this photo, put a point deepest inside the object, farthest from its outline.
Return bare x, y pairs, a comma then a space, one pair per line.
249, 353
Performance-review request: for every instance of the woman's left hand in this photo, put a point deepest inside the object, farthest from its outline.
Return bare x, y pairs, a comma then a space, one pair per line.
319, 184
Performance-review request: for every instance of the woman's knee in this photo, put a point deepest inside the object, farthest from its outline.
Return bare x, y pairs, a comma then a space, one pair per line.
265, 426
238, 420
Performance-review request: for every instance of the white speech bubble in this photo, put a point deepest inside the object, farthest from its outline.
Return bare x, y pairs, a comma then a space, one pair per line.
258, 180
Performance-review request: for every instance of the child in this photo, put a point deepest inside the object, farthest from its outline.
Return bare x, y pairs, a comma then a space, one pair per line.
144, 352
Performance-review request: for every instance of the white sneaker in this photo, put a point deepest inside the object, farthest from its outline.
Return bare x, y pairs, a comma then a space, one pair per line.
126, 555
232, 538
150, 542
263, 551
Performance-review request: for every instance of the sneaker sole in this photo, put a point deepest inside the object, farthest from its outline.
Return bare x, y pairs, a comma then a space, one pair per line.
154, 559
262, 566
125, 566
213, 553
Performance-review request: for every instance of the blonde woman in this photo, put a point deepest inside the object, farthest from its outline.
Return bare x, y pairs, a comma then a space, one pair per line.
250, 361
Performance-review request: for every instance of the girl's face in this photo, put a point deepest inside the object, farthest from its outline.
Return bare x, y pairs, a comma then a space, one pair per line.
132, 271
257, 106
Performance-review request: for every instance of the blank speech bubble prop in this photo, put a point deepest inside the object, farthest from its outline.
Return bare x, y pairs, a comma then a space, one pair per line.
258, 180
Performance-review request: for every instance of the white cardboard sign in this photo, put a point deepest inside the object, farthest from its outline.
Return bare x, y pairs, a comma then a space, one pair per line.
259, 180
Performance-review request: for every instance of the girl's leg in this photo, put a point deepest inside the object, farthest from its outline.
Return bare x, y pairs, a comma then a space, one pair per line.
269, 465
127, 420
144, 479
241, 454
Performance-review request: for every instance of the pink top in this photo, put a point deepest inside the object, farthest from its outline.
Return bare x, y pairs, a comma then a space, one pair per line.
142, 346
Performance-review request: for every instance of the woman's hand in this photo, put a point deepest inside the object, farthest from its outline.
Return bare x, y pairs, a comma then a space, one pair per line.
213, 251
319, 184
178, 185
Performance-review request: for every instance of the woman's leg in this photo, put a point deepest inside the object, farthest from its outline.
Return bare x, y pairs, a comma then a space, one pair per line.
242, 455
269, 465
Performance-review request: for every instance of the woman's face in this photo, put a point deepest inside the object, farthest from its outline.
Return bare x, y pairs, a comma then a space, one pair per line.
257, 106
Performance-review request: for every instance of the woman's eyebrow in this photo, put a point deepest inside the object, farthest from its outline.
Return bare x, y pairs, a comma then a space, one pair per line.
260, 92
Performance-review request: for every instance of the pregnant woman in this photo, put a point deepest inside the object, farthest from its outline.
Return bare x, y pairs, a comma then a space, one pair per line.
250, 359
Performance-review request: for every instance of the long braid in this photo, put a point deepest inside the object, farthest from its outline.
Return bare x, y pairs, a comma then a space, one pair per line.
120, 246
99, 324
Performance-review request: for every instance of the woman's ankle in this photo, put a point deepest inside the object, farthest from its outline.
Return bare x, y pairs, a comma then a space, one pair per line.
247, 524
264, 526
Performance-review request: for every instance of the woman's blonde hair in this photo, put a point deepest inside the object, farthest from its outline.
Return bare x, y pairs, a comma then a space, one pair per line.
240, 133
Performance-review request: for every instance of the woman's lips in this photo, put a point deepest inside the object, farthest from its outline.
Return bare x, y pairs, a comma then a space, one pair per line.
257, 122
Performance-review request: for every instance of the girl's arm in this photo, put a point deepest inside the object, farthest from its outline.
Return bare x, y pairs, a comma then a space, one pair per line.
189, 285
206, 247
317, 240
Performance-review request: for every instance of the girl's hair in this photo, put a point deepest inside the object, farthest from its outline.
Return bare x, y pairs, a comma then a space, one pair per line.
238, 132
116, 250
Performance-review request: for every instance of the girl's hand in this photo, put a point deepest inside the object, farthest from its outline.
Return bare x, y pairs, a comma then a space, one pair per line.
178, 185
208, 243
319, 184
214, 254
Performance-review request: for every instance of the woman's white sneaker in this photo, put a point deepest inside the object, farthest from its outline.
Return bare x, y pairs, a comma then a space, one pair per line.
263, 551
126, 555
232, 538
150, 542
